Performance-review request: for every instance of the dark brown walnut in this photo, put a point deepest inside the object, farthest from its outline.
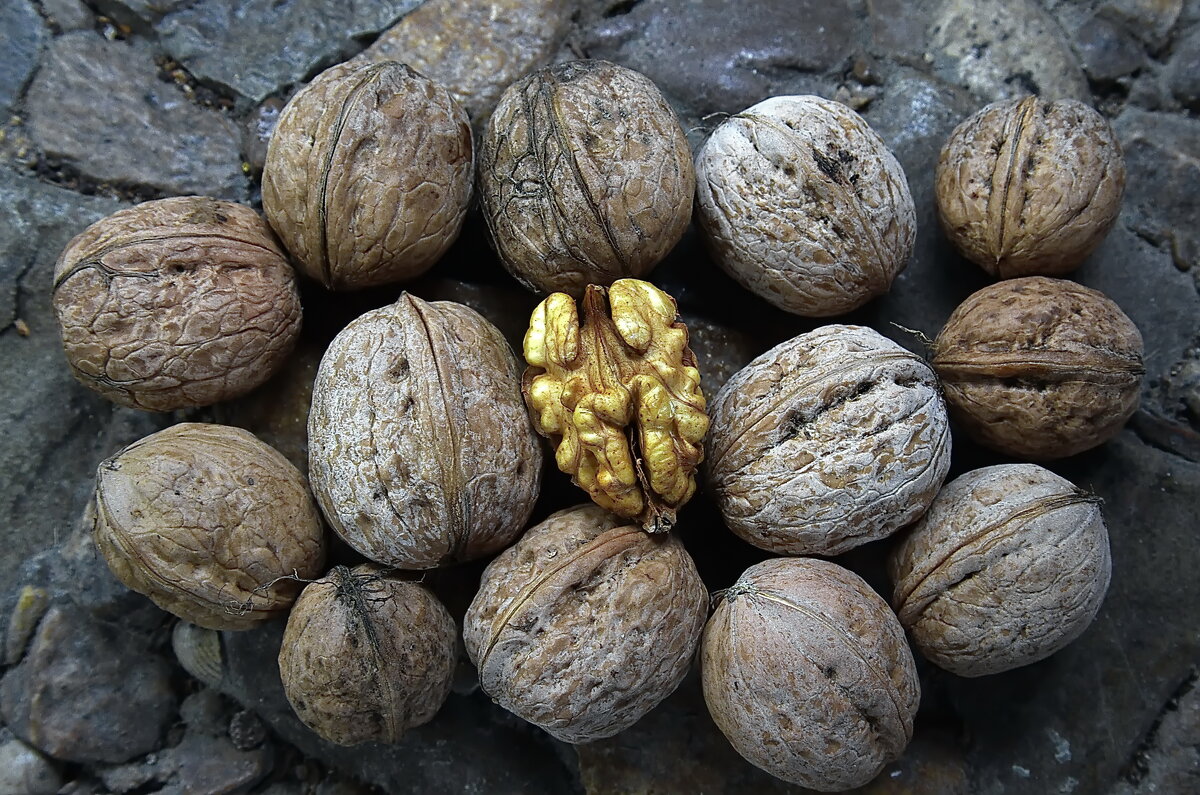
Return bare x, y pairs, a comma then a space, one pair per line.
1027, 186
585, 624
420, 450
620, 398
367, 656
808, 674
827, 441
368, 175
209, 522
176, 303
1040, 368
585, 176
1010, 565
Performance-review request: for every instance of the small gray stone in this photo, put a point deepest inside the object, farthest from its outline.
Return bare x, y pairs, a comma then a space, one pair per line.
68, 14
1183, 71
25, 771
200, 763
1149, 20
24, 36
1106, 50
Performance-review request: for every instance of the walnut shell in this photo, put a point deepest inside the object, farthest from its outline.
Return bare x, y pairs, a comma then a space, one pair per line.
804, 205
368, 175
367, 656
206, 520
585, 624
176, 303
585, 176
1040, 368
1026, 186
421, 452
807, 673
1010, 565
827, 441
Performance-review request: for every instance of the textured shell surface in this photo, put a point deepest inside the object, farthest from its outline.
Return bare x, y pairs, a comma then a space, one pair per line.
808, 674
585, 176
1010, 565
1026, 186
208, 522
586, 623
368, 175
827, 441
199, 651
421, 452
176, 303
804, 205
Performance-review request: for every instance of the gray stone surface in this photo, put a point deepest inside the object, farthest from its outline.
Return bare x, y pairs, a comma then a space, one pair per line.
1107, 50
1183, 72
139, 14
1170, 759
23, 770
24, 36
68, 15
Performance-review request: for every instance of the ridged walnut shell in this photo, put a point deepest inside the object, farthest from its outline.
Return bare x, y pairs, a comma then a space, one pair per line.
804, 205
827, 441
367, 656
368, 175
1040, 368
176, 303
808, 674
585, 177
1026, 186
207, 521
420, 450
1010, 565
586, 623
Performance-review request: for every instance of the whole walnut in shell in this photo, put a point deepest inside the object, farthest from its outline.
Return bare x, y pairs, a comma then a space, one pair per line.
1027, 186
366, 655
420, 450
209, 522
1010, 565
586, 623
807, 673
368, 175
802, 203
585, 176
1040, 368
176, 303
827, 441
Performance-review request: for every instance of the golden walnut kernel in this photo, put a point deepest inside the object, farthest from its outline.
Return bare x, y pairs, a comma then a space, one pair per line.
1027, 186
620, 398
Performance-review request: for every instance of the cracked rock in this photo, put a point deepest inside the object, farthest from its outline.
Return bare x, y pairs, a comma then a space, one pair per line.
24, 36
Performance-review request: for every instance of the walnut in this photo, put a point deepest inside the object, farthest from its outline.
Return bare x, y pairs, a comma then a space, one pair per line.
176, 303
366, 655
1010, 565
807, 673
1027, 186
206, 520
421, 452
585, 624
619, 397
368, 175
827, 441
585, 176
803, 204
1040, 368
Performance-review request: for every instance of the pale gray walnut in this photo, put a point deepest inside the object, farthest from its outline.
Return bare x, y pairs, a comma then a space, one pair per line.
1010, 565
421, 452
367, 656
802, 203
210, 523
827, 441
585, 177
808, 674
586, 623
368, 175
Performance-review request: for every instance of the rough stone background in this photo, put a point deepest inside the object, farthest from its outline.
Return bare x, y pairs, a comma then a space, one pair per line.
106, 102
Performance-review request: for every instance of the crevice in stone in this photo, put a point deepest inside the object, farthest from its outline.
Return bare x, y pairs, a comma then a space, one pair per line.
1139, 765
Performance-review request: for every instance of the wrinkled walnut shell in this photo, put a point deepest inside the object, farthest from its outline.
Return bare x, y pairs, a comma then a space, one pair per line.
368, 175
585, 624
1040, 368
206, 520
1010, 565
807, 673
1026, 186
827, 441
366, 656
176, 303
